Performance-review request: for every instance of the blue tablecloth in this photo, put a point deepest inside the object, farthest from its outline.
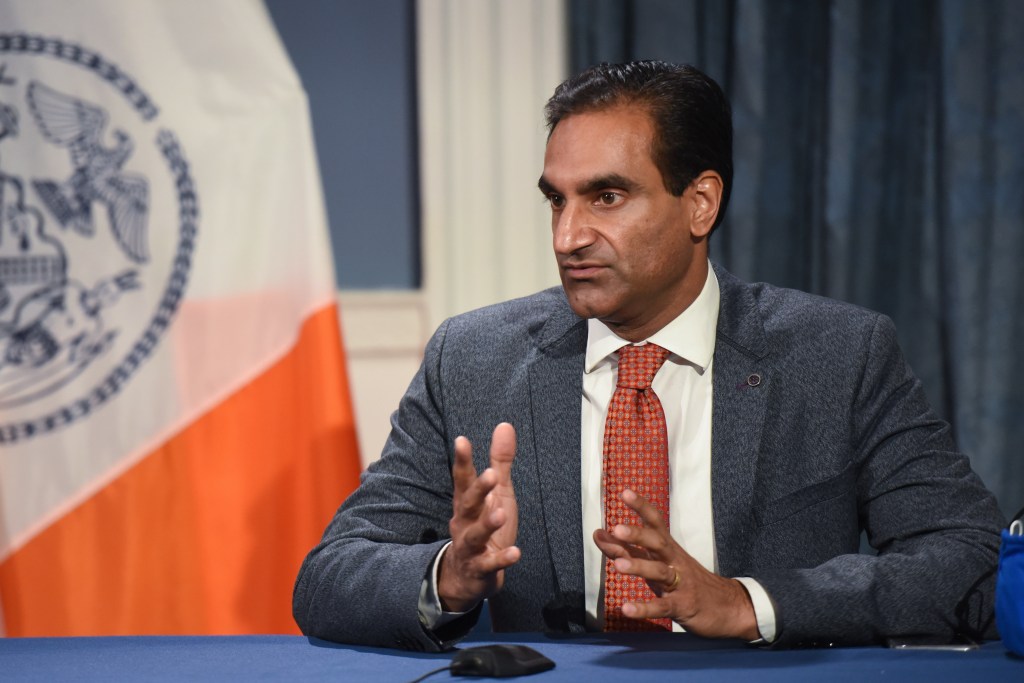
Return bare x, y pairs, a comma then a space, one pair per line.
632, 658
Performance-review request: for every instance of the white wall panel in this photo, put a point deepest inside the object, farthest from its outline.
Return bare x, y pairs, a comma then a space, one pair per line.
485, 70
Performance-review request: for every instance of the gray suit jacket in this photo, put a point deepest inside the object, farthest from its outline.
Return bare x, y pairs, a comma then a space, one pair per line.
819, 431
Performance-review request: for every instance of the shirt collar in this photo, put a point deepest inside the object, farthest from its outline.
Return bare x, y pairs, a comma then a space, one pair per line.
690, 335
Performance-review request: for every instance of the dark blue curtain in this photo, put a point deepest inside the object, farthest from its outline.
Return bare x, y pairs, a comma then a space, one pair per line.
880, 160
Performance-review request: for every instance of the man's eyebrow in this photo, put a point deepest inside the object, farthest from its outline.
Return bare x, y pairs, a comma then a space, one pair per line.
593, 185
604, 182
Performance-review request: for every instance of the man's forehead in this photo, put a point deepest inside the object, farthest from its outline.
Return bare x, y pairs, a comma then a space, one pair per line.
604, 143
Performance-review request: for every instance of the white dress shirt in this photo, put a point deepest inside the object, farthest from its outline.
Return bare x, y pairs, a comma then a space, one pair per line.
684, 387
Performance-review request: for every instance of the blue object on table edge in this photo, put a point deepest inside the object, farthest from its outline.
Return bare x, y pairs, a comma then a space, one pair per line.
1010, 592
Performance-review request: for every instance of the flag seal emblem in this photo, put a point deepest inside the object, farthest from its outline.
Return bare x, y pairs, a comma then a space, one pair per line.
98, 222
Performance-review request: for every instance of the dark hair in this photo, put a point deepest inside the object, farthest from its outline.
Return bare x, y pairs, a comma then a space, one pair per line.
691, 115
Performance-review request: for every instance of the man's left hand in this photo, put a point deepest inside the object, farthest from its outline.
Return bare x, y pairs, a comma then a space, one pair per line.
702, 602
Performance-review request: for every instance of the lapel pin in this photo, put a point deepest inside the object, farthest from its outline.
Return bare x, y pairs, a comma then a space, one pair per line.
753, 380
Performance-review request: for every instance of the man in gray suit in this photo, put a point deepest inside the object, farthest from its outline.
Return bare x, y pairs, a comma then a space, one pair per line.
793, 424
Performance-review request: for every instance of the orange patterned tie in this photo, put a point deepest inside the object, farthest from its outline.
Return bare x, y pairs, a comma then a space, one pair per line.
635, 457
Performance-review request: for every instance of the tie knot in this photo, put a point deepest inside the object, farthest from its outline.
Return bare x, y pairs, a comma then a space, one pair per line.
639, 364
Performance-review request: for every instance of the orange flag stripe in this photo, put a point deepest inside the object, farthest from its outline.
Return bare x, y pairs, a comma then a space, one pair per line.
205, 534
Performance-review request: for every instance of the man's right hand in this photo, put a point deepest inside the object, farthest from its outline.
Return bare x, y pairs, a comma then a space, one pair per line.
483, 527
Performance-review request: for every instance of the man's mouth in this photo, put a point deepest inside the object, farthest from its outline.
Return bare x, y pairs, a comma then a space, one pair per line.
582, 270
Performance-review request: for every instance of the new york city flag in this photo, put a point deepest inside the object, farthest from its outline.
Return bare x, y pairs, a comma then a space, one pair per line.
175, 425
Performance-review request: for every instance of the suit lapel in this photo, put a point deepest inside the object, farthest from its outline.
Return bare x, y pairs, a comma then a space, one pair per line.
556, 385
742, 383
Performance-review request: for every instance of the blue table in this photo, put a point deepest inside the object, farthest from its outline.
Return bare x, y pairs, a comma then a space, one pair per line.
631, 658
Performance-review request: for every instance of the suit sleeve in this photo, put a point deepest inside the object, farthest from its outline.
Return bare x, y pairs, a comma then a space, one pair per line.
928, 516
361, 584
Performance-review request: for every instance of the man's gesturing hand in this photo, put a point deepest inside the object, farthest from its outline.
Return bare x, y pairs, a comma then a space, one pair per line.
701, 601
485, 520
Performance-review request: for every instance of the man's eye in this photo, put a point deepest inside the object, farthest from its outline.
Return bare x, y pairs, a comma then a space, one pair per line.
609, 198
557, 201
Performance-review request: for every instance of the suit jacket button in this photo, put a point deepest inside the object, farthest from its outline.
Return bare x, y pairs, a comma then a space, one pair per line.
754, 380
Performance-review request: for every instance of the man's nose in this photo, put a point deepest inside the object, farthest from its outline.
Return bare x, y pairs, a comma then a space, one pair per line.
572, 230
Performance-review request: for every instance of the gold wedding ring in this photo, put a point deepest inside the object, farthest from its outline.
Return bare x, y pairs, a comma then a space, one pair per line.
675, 580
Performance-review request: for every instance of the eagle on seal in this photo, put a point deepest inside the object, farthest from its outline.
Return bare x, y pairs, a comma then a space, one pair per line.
97, 177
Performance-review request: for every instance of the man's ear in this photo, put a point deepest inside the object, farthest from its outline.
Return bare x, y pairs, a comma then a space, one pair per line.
706, 191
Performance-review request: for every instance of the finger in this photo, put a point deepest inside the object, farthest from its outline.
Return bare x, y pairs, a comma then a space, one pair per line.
655, 572
655, 542
648, 514
503, 451
463, 472
658, 608
479, 532
671, 584
610, 546
472, 501
604, 538
489, 563
480, 558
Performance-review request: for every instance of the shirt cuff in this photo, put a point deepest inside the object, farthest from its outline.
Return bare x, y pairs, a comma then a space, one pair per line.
432, 616
764, 610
